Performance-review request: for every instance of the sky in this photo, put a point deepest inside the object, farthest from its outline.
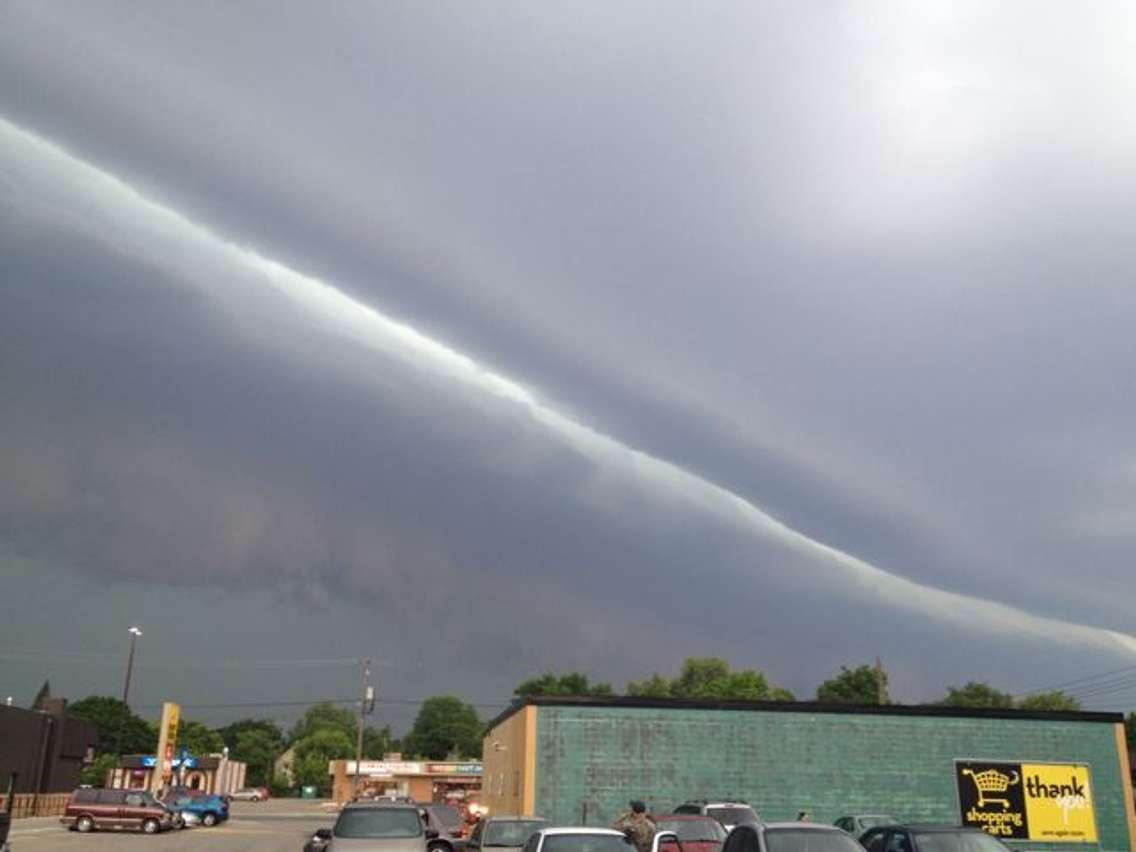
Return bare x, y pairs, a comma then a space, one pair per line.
489, 340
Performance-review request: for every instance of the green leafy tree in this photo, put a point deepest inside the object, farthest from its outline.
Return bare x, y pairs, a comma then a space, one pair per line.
198, 738
573, 683
232, 731
976, 694
861, 685
1130, 729
710, 677
378, 742
323, 716
96, 773
258, 749
315, 751
113, 719
1055, 700
446, 726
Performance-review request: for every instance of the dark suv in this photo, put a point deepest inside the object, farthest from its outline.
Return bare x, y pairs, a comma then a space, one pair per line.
120, 810
929, 838
448, 823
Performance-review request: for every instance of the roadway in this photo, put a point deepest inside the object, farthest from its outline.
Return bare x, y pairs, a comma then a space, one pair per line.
280, 825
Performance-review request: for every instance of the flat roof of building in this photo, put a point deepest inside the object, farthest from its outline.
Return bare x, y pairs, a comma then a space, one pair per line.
935, 710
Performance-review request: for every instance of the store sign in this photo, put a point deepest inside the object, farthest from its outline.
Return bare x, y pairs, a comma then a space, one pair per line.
464, 769
384, 768
149, 762
1028, 801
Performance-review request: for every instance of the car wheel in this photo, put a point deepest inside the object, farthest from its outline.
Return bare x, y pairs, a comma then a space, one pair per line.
151, 826
84, 824
439, 847
209, 819
256, 798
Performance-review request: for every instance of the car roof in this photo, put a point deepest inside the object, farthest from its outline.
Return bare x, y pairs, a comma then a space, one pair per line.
689, 817
599, 832
382, 806
797, 824
721, 804
514, 818
932, 826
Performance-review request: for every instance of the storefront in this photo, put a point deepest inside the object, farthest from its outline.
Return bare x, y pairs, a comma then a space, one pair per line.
423, 781
213, 773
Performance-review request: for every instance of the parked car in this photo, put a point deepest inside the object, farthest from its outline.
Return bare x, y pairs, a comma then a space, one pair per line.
857, 824
729, 814
446, 824
578, 840
211, 809
371, 827
929, 838
503, 832
91, 809
696, 833
248, 794
789, 837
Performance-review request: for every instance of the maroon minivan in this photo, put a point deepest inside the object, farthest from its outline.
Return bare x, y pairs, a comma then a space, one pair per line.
118, 810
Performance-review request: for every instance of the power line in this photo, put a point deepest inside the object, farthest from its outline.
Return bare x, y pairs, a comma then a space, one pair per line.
1086, 681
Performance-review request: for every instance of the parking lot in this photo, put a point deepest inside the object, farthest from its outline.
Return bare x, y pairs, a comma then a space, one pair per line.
281, 825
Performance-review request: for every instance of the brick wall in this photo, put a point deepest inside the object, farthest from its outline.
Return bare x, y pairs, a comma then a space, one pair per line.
591, 760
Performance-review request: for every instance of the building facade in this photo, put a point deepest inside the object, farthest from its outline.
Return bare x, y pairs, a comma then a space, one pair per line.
213, 773
424, 781
579, 761
46, 749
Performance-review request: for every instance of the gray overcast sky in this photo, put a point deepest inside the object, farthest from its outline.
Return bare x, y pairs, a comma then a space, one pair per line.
493, 338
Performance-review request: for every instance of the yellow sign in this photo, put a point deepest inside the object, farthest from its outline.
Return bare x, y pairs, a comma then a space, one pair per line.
1059, 802
167, 741
1028, 801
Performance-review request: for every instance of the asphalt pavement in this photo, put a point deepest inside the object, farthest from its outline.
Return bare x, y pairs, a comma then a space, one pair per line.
280, 825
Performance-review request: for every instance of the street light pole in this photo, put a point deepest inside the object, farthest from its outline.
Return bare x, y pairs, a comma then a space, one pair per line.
134, 632
364, 697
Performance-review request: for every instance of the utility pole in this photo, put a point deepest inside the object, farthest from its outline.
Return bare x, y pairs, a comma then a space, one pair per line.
366, 696
134, 632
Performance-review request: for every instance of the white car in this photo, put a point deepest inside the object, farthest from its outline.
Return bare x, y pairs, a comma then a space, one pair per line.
247, 794
578, 840
729, 814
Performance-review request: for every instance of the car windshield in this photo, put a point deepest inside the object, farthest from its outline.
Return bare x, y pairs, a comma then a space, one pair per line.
378, 822
732, 816
957, 841
809, 840
511, 832
694, 830
585, 843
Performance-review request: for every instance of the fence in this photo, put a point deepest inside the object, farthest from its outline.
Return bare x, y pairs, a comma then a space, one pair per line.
29, 804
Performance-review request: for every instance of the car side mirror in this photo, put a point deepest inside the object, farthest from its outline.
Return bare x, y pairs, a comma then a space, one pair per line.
665, 837
431, 834
323, 834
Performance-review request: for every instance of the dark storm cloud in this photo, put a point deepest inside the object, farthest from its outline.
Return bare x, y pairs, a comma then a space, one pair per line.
865, 282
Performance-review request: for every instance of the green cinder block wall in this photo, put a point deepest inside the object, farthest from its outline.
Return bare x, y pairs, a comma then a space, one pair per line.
591, 760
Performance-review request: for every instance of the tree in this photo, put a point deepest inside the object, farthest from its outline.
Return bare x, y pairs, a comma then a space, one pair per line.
976, 694
113, 718
198, 739
1055, 700
861, 685
315, 751
573, 683
41, 696
323, 716
232, 731
710, 677
445, 726
95, 774
1130, 729
378, 742
258, 749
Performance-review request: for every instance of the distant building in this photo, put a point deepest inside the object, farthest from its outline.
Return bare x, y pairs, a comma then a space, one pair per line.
211, 773
457, 782
47, 749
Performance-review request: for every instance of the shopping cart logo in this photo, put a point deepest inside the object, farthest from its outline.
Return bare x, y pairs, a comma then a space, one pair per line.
991, 781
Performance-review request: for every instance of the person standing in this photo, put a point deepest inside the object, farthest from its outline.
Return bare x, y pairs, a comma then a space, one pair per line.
637, 826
